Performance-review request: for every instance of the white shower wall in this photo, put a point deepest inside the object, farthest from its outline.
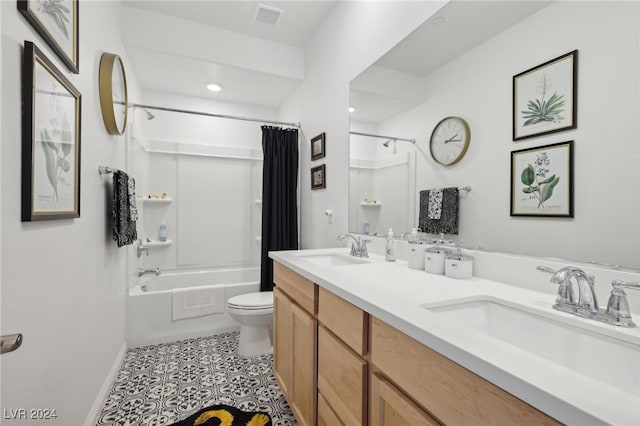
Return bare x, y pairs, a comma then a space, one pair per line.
211, 168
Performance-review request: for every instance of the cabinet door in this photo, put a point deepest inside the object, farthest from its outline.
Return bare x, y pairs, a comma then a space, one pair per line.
390, 407
303, 366
282, 340
342, 379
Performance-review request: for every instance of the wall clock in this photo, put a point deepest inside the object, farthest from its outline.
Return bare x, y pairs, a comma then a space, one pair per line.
449, 140
112, 82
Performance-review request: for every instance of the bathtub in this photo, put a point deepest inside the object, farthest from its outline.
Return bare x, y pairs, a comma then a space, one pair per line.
149, 304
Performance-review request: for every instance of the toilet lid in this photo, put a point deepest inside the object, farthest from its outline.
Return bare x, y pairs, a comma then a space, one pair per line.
260, 300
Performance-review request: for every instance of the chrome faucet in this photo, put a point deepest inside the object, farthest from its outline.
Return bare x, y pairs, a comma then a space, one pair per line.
358, 245
142, 272
586, 306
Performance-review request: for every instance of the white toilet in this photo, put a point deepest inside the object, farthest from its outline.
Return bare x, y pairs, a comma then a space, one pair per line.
254, 312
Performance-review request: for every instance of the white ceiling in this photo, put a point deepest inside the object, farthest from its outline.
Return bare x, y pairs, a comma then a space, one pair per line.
295, 27
157, 71
467, 24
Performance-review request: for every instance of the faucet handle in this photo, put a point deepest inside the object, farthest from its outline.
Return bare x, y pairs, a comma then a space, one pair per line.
618, 306
363, 248
565, 300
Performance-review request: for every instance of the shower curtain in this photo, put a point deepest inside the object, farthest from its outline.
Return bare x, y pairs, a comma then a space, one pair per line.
279, 197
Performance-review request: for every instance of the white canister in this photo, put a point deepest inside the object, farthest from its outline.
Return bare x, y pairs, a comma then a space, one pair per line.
416, 255
434, 260
459, 266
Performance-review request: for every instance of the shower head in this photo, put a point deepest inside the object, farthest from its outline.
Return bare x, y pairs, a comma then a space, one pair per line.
148, 114
386, 144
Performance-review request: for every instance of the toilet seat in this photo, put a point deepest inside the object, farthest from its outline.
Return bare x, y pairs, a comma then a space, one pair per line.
252, 301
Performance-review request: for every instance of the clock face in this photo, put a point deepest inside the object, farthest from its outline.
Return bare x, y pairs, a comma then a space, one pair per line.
450, 140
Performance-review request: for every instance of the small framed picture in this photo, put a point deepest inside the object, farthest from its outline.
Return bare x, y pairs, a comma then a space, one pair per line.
542, 181
318, 177
545, 98
50, 140
57, 23
317, 147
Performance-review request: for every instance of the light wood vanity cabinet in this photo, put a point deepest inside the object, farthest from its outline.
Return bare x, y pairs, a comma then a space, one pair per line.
337, 365
295, 350
447, 391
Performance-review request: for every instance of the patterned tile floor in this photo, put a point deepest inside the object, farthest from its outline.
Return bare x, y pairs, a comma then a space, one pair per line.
161, 384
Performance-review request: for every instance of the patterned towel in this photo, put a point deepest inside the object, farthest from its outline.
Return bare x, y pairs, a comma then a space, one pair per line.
124, 228
435, 203
448, 221
225, 415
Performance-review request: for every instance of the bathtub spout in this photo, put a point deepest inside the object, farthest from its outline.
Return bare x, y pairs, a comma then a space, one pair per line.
142, 272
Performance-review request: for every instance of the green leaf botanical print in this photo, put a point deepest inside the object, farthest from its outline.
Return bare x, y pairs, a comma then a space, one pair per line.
538, 186
547, 190
50, 162
528, 175
541, 110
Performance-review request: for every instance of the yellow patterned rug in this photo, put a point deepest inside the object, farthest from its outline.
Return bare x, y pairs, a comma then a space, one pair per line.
225, 415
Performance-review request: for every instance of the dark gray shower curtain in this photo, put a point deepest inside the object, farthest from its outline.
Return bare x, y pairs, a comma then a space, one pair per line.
279, 197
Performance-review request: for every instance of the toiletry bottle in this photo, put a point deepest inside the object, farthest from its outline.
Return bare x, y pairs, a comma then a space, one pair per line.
389, 247
366, 228
163, 232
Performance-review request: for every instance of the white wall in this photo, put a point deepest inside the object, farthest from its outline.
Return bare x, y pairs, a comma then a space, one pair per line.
63, 281
214, 218
477, 86
352, 37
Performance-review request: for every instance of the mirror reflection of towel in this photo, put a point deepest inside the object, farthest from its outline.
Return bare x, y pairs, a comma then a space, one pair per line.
448, 221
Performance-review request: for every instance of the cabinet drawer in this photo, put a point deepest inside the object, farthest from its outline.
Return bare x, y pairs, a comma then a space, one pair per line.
344, 320
390, 407
298, 288
342, 379
453, 394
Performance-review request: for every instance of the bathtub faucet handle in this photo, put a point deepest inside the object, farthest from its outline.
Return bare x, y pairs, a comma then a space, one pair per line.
141, 248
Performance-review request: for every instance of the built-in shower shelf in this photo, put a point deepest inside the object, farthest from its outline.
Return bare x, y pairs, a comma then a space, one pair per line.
157, 244
258, 201
156, 200
363, 204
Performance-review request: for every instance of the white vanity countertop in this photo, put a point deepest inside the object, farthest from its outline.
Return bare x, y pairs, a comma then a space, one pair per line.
394, 293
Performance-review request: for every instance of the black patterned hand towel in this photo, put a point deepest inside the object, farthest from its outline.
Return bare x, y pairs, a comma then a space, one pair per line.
447, 223
218, 415
124, 227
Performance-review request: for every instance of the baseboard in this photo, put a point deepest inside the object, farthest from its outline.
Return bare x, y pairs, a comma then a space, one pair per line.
96, 408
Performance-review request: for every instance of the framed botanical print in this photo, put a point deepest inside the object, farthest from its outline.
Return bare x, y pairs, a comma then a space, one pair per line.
542, 181
545, 98
50, 140
57, 22
318, 177
317, 147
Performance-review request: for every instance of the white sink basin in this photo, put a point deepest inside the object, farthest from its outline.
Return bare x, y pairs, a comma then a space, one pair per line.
333, 259
565, 341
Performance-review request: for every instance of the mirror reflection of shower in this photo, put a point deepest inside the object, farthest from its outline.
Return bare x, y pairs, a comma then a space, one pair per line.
382, 182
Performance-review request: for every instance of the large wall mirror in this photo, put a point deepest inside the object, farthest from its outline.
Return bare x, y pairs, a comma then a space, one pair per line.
461, 62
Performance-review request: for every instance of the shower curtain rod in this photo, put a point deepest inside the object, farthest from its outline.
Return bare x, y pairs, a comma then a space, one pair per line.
413, 141
208, 114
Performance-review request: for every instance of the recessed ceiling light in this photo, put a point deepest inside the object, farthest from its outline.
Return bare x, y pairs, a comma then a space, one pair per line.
214, 87
438, 21
352, 109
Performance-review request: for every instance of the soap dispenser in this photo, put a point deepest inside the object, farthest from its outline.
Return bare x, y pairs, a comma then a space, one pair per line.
389, 247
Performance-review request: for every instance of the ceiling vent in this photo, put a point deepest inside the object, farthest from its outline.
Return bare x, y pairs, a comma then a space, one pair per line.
268, 14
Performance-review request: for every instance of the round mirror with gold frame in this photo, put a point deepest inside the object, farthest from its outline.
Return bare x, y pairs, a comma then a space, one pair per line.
112, 82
